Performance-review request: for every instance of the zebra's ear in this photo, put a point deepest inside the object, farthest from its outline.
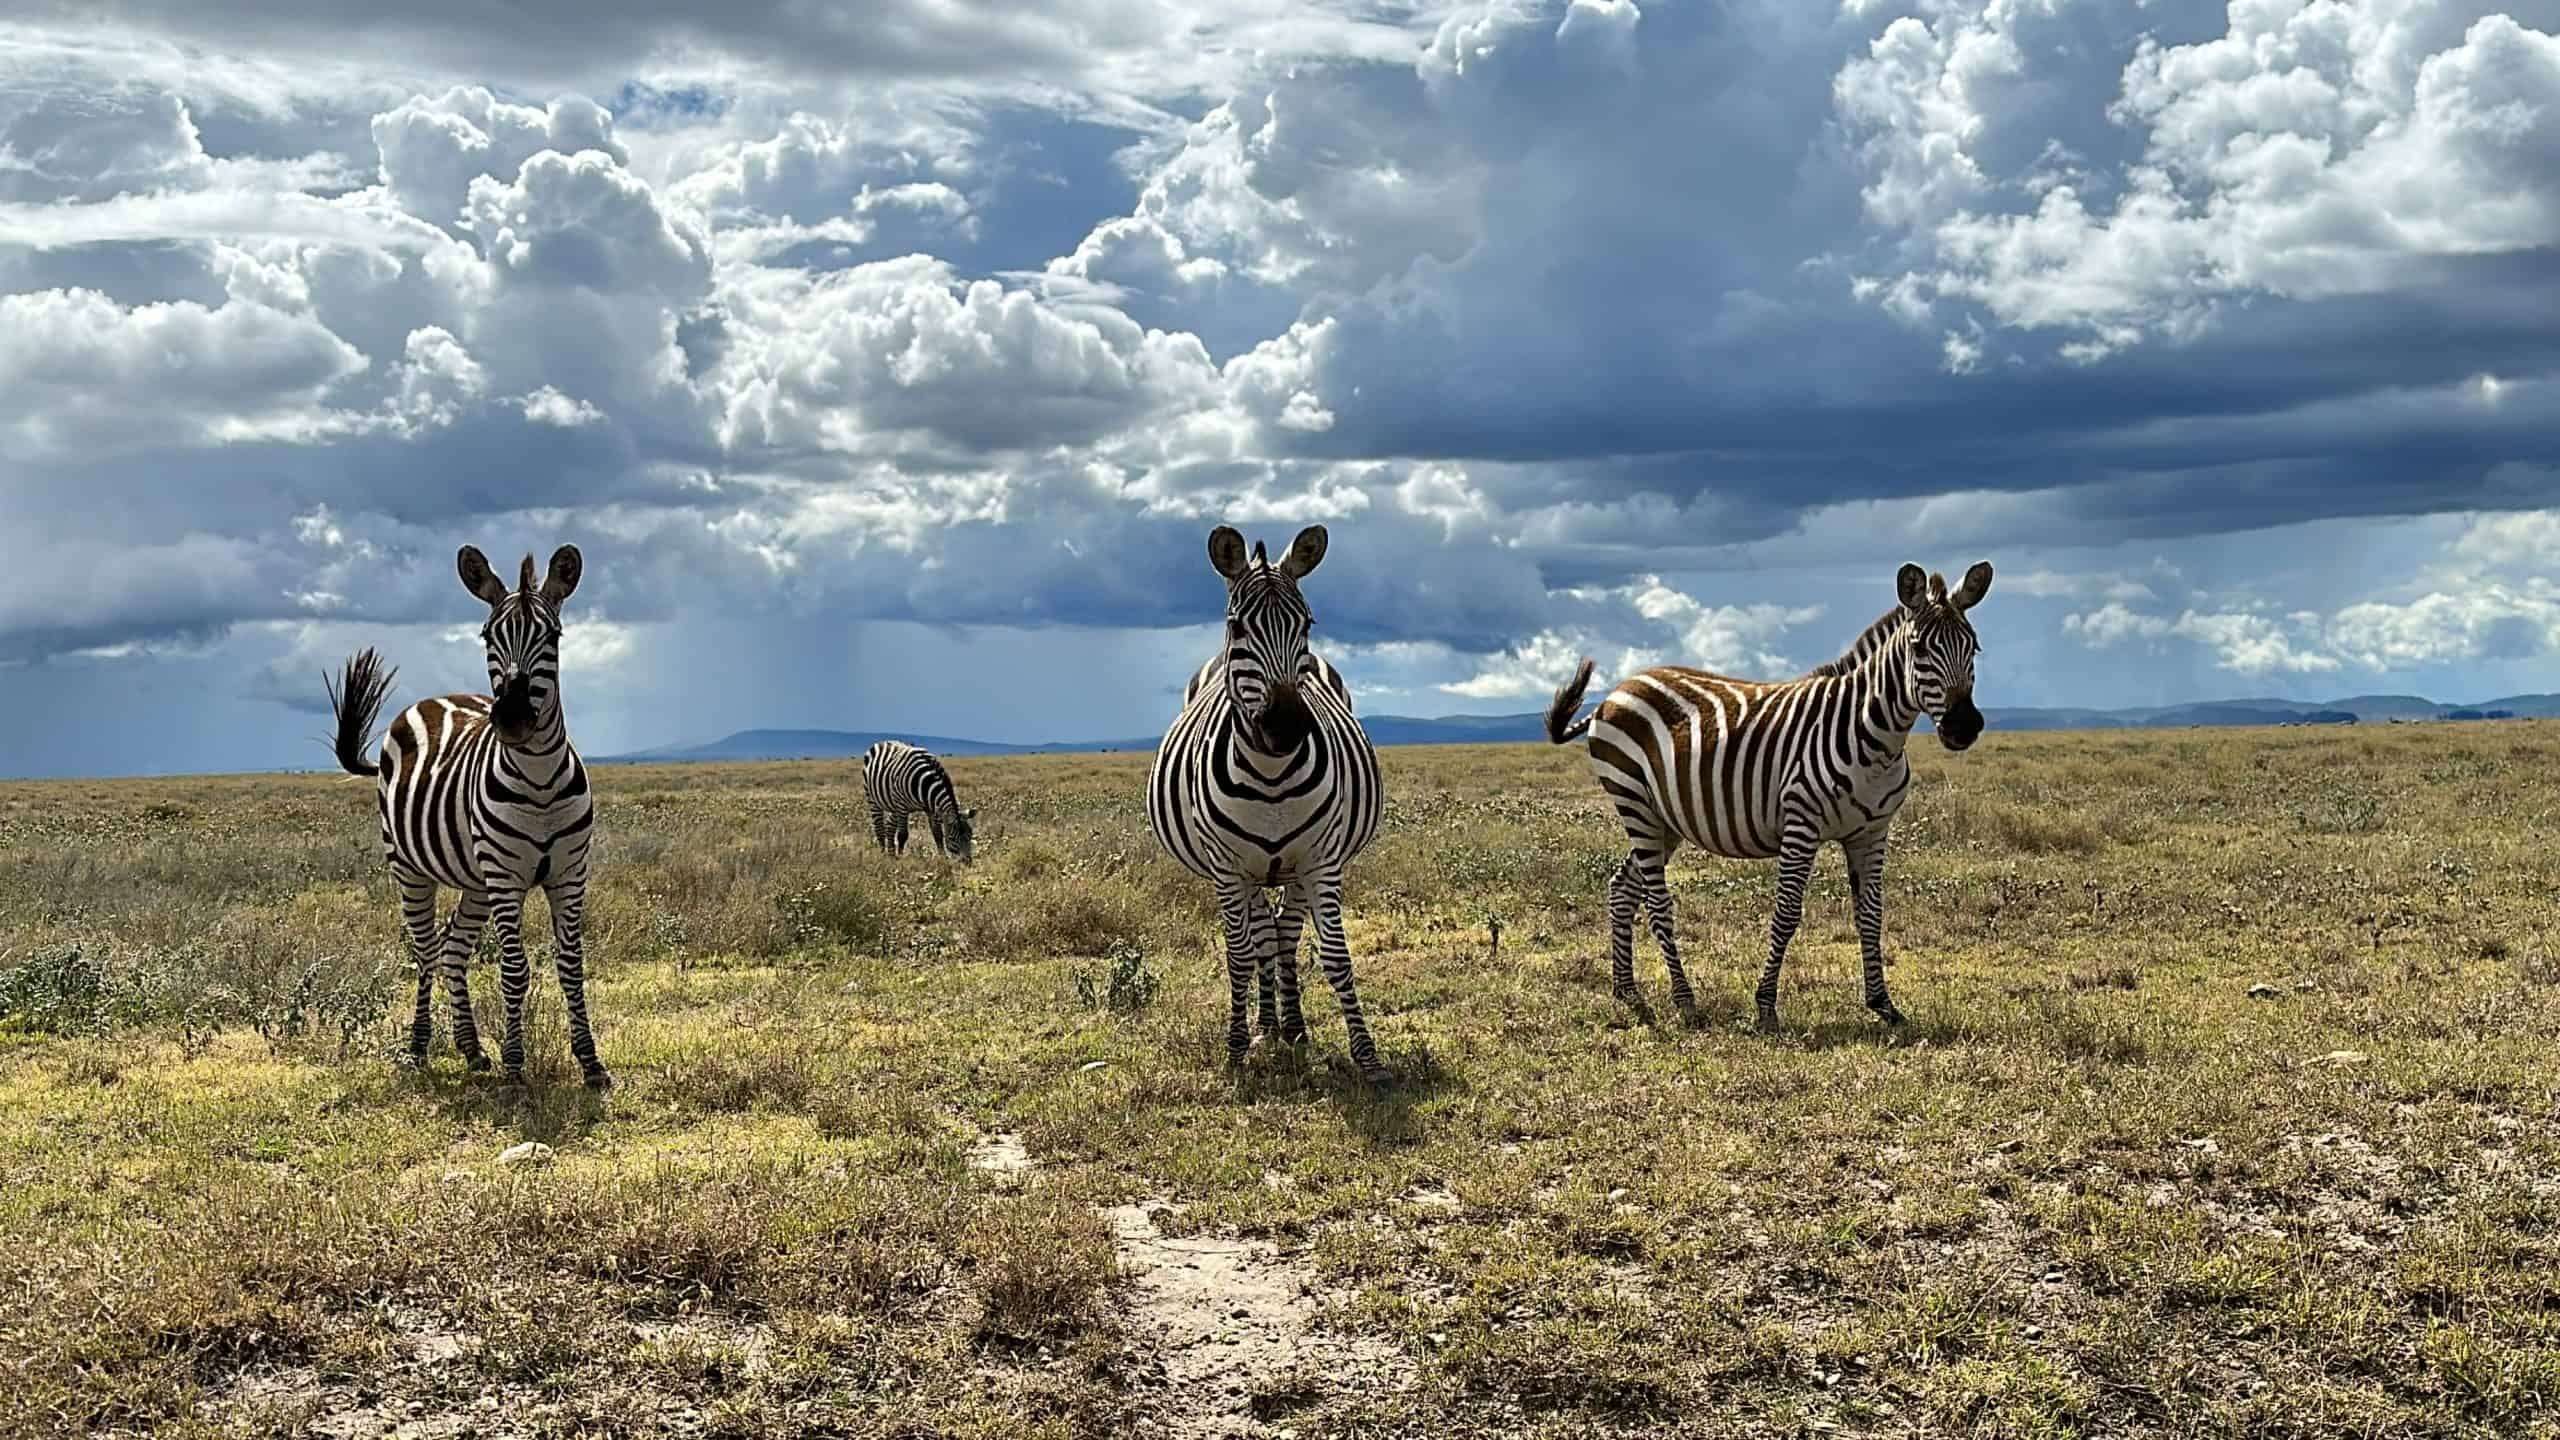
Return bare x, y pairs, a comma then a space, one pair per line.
477, 577
1977, 583
562, 578
1912, 584
1305, 553
1226, 551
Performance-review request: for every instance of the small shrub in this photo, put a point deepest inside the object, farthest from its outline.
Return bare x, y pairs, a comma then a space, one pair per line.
1042, 1265
60, 992
1128, 987
834, 911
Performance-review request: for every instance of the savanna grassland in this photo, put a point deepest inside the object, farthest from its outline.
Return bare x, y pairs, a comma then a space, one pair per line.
2226, 1107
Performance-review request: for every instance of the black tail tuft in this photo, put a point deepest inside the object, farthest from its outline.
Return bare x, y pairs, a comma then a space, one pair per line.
355, 698
1562, 728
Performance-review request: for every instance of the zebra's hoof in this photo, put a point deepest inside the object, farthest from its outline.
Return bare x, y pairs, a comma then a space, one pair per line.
1887, 1014
1378, 1077
1626, 995
598, 1079
1768, 1022
476, 1064
512, 1075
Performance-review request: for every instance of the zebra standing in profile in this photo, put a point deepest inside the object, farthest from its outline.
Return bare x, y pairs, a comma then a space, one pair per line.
1752, 770
1267, 780
484, 794
899, 780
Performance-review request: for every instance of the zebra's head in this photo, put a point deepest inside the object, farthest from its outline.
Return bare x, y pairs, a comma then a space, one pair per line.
960, 837
522, 637
1267, 621
1942, 648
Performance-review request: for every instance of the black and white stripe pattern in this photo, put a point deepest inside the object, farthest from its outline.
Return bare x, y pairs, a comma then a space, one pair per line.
1266, 780
485, 795
900, 780
1756, 770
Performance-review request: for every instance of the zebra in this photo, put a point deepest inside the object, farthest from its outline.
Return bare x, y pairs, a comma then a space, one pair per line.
1266, 780
899, 780
486, 796
1753, 770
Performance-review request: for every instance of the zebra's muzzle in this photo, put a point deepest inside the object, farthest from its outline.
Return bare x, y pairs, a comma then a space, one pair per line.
1286, 722
514, 710
1960, 726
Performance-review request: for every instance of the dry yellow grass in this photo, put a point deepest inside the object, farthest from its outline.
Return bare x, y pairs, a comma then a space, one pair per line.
2093, 1188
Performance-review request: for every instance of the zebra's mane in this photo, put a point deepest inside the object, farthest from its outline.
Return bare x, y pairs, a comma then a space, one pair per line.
1869, 641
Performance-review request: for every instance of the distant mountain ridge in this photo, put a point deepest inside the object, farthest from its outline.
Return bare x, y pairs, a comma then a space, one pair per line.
1499, 729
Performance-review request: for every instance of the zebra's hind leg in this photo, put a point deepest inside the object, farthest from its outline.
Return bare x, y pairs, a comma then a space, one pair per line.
1289, 922
1235, 908
461, 936
1795, 867
1657, 898
1865, 854
1334, 952
418, 926
1626, 892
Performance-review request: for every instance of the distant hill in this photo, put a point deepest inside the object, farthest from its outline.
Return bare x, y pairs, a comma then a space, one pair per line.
846, 745
1498, 729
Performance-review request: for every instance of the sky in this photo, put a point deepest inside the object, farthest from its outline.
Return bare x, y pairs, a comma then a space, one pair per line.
890, 363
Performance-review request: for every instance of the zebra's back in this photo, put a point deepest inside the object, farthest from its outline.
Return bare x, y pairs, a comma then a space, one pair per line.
899, 778
447, 812
1721, 762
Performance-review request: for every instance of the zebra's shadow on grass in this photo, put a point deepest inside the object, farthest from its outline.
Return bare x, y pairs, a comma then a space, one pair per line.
1842, 1031
546, 1107
1383, 1115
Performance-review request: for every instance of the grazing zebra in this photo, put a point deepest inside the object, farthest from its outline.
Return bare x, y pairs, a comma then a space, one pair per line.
1266, 780
900, 780
487, 796
1751, 770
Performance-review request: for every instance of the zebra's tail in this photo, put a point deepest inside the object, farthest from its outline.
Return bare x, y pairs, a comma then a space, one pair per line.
1562, 728
355, 700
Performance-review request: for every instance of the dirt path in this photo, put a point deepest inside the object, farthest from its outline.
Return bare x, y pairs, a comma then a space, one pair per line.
1222, 1334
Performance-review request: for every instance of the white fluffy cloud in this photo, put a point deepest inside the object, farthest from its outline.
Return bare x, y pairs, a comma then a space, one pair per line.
991, 340
2486, 596
85, 374
2314, 148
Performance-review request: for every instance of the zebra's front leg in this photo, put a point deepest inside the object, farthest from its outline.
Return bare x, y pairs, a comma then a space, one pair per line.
1265, 964
1288, 924
515, 977
1235, 910
899, 832
1866, 889
568, 945
418, 927
1334, 952
461, 937
1795, 867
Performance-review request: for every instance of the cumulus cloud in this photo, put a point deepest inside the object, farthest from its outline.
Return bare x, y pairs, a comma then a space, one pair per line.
86, 374
992, 341
2307, 151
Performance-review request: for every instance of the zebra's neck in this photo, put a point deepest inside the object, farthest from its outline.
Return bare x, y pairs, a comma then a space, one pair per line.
1875, 637
1889, 697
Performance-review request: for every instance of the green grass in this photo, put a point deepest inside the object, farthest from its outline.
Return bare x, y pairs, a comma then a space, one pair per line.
2095, 1187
